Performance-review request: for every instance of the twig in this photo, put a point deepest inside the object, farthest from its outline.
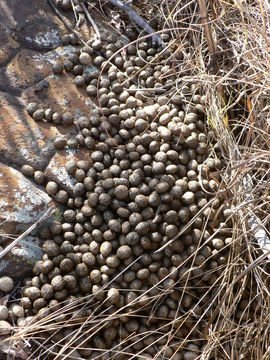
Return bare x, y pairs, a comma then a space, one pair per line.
255, 224
243, 273
90, 20
74, 11
61, 17
48, 213
53, 352
188, 224
81, 19
156, 39
208, 32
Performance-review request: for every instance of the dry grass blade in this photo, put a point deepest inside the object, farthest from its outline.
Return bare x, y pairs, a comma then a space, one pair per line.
65, 22
229, 312
44, 217
155, 38
206, 25
255, 224
89, 17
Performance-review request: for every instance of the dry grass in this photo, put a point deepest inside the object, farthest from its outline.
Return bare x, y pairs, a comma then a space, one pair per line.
234, 319
236, 79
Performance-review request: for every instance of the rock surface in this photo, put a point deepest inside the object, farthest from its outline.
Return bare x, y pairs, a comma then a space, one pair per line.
56, 168
20, 260
30, 43
21, 204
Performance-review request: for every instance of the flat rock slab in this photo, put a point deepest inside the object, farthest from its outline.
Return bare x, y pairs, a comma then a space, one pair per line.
56, 171
30, 43
22, 140
20, 260
21, 203
24, 29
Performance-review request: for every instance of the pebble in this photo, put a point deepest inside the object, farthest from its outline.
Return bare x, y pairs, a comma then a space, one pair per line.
21, 321
188, 197
151, 110
31, 108
38, 115
17, 310
51, 188
27, 170
5, 327
39, 177
85, 59
6, 284
164, 133
137, 193
3, 312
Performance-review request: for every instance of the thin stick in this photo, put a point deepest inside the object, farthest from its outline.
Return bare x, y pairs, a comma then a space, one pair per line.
48, 213
208, 32
156, 39
185, 227
74, 11
90, 20
61, 17
230, 287
255, 224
